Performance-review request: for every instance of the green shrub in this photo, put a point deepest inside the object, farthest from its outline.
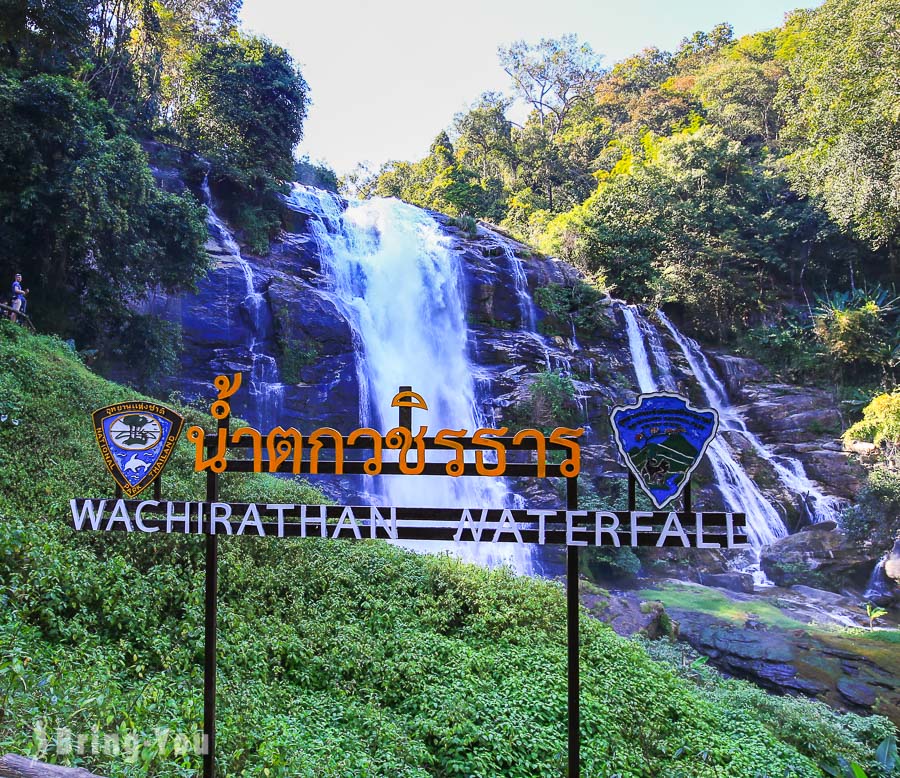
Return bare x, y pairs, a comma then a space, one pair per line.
295, 355
859, 329
466, 224
874, 519
578, 303
880, 425
789, 348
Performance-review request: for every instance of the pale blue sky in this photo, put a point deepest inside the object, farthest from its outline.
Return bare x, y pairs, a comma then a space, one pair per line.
387, 75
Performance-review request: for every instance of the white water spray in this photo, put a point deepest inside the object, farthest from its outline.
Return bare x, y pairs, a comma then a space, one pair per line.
395, 279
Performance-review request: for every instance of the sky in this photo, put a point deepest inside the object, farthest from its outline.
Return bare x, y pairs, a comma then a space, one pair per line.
386, 76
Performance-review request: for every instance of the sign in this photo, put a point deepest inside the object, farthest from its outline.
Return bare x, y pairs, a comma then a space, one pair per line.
136, 440
473, 525
662, 440
282, 450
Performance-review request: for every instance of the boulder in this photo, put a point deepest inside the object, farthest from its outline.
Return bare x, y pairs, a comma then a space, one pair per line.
825, 559
738, 371
892, 563
628, 615
733, 581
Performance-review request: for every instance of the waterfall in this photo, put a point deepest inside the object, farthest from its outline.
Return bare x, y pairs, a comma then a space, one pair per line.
523, 295
266, 390
764, 525
818, 506
393, 276
646, 381
879, 589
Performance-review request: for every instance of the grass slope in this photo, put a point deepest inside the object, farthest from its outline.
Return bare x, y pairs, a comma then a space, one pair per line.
336, 659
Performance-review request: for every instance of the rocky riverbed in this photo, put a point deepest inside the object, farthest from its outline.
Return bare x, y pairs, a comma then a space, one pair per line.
789, 640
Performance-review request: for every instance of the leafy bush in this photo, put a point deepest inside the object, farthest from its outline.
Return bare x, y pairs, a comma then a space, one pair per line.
859, 329
880, 425
152, 347
466, 224
790, 348
579, 304
315, 174
874, 519
553, 401
295, 355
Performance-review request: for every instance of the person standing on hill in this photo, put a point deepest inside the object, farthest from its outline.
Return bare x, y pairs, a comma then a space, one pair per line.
18, 297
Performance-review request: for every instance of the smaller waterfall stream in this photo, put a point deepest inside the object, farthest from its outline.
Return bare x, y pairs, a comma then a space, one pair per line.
764, 525
266, 390
818, 506
738, 490
523, 295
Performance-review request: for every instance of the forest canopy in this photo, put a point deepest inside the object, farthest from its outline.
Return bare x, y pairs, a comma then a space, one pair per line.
733, 180
84, 85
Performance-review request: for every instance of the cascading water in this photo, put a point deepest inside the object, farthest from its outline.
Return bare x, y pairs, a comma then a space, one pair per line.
396, 281
523, 295
879, 589
818, 506
266, 390
764, 525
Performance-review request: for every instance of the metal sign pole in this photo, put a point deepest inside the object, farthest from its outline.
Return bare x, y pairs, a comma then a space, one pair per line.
210, 626
572, 641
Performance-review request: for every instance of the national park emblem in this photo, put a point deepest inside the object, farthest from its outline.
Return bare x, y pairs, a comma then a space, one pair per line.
136, 440
662, 439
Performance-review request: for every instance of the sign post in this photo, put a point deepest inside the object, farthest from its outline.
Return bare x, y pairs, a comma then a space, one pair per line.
573, 640
661, 439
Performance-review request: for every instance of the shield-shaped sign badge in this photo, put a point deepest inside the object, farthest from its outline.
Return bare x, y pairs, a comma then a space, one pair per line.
662, 439
136, 440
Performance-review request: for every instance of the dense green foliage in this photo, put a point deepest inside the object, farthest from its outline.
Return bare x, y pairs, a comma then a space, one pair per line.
82, 82
874, 519
336, 658
550, 403
726, 180
245, 113
577, 306
84, 221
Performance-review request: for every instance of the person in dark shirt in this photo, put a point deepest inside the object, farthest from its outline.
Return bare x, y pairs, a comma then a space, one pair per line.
18, 297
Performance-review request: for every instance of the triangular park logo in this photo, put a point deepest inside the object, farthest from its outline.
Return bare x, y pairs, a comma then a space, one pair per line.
136, 440
662, 439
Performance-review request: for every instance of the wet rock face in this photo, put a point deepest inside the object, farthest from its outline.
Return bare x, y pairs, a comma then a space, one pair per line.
800, 422
294, 324
818, 557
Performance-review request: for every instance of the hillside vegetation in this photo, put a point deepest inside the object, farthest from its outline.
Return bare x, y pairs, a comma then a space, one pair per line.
743, 183
87, 88
336, 658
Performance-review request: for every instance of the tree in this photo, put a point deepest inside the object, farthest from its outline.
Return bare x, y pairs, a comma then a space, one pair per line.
50, 36
738, 89
484, 136
84, 220
245, 111
840, 101
679, 220
552, 75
